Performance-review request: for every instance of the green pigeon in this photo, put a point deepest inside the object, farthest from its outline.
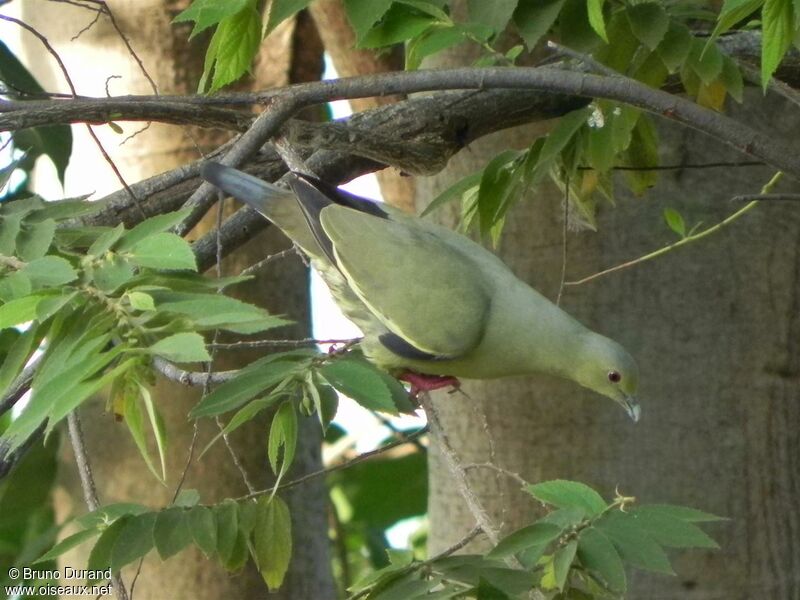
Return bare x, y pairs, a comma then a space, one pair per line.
433, 305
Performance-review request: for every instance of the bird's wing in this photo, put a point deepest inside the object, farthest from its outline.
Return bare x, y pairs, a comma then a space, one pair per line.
428, 294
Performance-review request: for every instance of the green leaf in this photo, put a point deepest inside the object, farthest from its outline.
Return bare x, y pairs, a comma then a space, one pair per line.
272, 538
21, 310
187, 498
731, 78
705, 60
359, 382
556, 141
112, 273
141, 301
596, 18
107, 239
71, 208
675, 47
151, 226
576, 32
165, 251
684, 513
363, 14
400, 23
597, 553
134, 541
227, 517
50, 271
14, 285
495, 14
104, 516
670, 531
245, 414
534, 18
250, 382
203, 526
569, 494
562, 561
500, 186
777, 35
538, 534
324, 399
436, 38
633, 544
213, 311
282, 434
10, 226
68, 543
34, 239
134, 419
100, 556
181, 347
16, 357
642, 153
675, 221
649, 23
206, 13
280, 10
454, 192
732, 12
171, 532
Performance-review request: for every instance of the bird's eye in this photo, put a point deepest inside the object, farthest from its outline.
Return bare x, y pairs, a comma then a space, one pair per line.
614, 376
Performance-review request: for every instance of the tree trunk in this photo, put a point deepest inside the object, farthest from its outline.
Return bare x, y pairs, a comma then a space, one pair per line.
714, 327
118, 469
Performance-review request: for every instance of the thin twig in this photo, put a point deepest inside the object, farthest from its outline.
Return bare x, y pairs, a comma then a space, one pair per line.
564, 232
487, 465
456, 470
765, 197
409, 438
687, 240
252, 269
88, 485
246, 345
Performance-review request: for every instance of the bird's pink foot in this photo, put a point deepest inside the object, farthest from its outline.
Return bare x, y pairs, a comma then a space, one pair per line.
427, 383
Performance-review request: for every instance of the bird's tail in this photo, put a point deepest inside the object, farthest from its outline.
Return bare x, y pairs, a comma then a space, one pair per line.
244, 187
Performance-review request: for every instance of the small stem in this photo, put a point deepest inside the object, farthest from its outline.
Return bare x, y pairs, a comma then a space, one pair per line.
688, 239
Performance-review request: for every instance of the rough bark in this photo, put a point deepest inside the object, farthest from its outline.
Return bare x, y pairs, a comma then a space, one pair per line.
118, 468
714, 328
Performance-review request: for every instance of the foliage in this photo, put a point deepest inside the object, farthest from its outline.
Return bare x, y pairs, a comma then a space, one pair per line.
579, 549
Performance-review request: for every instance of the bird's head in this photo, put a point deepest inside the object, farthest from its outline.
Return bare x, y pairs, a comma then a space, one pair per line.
608, 369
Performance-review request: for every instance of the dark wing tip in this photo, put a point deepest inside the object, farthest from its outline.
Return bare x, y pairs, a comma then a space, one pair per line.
211, 171
401, 347
341, 197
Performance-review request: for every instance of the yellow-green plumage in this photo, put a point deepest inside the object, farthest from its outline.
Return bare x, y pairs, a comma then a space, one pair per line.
429, 299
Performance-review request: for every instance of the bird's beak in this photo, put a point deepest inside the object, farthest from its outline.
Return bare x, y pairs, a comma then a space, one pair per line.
632, 407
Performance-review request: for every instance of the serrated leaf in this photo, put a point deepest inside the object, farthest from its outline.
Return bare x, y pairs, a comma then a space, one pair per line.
20, 310
598, 554
187, 498
400, 23
203, 526
250, 382
141, 301
233, 47
217, 311
34, 239
181, 347
649, 23
436, 38
777, 34
70, 208
569, 494
634, 545
359, 382
684, 513
280, 10
206, 13
100, 556
151, 226
732, 12
272, 539
227, 517
68, 543
165, 251
534, 18
112, 273
675, 46
282, 435
106, 239
495, 14
538, 534
50, 271
675, 221
596, 18
171, 532
363, 14
671, 532
134, 541
562, 561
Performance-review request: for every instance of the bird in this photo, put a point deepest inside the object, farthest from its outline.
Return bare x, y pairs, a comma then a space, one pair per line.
434, 306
